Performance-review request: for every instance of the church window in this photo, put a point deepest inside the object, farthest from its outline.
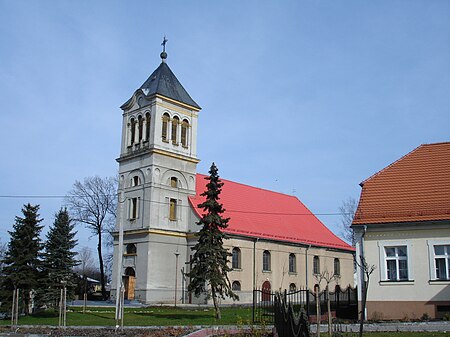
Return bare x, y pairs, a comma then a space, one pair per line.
316, 265
266, 260
165, 126
175, 122
236, 286
140, 127
173, 210
184, 133
131, 249
135, 181
134, 207
292, 263
132, 130
147, 126
337, 267
292, 287
236, 258
173, 182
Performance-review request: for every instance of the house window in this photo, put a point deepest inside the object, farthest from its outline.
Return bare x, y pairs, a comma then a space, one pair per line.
236, 258
292, 264
175, 122
316, 265
184, 132
337, 267
442, 262
165, 126
131, 249
292, 287
174, 182
147, 126
134, 205
266, 260
396, 263
236, 286
173, 210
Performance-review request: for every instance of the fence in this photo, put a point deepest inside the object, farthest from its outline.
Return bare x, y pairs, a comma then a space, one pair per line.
344, 303
288, 323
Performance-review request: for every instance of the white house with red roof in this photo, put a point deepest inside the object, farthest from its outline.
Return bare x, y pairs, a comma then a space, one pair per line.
402, 226
275, 241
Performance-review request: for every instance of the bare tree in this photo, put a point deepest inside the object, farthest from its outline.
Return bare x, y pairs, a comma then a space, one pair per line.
347, 210
366, 271
328, 278
3, 249
93, 202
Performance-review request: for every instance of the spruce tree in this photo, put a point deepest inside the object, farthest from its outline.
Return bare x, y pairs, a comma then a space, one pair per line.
59, 259
21, 262
209, 265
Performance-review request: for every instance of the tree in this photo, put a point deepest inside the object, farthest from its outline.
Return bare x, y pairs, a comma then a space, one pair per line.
328, 278
59, 259
3, 248
366, 271
347, 210
21, 262
209, 265
93, 203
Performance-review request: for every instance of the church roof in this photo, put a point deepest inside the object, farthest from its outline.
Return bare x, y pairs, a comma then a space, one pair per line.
260, 213
163, 82
414, 188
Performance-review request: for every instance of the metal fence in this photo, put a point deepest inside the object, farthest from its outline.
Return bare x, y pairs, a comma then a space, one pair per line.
344, 303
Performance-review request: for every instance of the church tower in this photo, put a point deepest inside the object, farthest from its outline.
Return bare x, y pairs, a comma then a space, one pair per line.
157, 172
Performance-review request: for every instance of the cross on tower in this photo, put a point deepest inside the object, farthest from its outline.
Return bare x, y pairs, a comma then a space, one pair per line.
164, 43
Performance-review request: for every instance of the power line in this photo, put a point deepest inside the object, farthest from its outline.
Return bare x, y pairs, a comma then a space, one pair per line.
166, 203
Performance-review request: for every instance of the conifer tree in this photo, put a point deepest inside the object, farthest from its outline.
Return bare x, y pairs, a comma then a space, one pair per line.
209, 265
59, 259
21, 262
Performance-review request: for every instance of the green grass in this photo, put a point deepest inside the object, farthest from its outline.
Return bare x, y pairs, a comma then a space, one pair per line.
162, 316
396, 334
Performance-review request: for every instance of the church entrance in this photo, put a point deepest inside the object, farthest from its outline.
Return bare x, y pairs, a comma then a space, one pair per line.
129, 281
265, 291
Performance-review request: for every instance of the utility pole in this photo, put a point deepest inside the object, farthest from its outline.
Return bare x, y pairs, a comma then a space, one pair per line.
119, 292
176, 276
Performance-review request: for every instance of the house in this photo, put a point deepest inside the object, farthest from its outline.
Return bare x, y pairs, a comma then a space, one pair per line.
275, 241
402, 227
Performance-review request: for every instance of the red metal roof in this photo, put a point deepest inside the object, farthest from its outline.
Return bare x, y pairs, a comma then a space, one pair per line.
414, 188
260, 213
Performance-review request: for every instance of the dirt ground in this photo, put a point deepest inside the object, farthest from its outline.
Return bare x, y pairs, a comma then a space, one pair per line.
163, 332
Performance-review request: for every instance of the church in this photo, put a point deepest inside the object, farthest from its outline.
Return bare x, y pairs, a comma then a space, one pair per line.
275, 241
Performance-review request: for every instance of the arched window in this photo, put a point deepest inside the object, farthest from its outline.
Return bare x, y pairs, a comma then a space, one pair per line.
135, 181
266, 260
130, 272
292, 263
292, 287
337, 267
236, 258
316, 265
165, 126
132, 130
131, 248
184, 133
147, 126
175, 122
140, 127
173, 182
236, 286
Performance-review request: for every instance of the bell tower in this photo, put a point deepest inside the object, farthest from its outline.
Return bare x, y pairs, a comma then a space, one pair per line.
157, 172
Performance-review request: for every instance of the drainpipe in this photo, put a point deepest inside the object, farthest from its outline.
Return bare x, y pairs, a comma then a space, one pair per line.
306, 265
254, 262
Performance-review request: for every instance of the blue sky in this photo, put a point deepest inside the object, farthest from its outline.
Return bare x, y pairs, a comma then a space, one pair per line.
303, 97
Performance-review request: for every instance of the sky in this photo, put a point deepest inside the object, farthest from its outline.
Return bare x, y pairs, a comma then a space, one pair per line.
301, 97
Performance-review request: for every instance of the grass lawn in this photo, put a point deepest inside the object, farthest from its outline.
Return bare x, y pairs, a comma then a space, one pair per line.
160, 316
